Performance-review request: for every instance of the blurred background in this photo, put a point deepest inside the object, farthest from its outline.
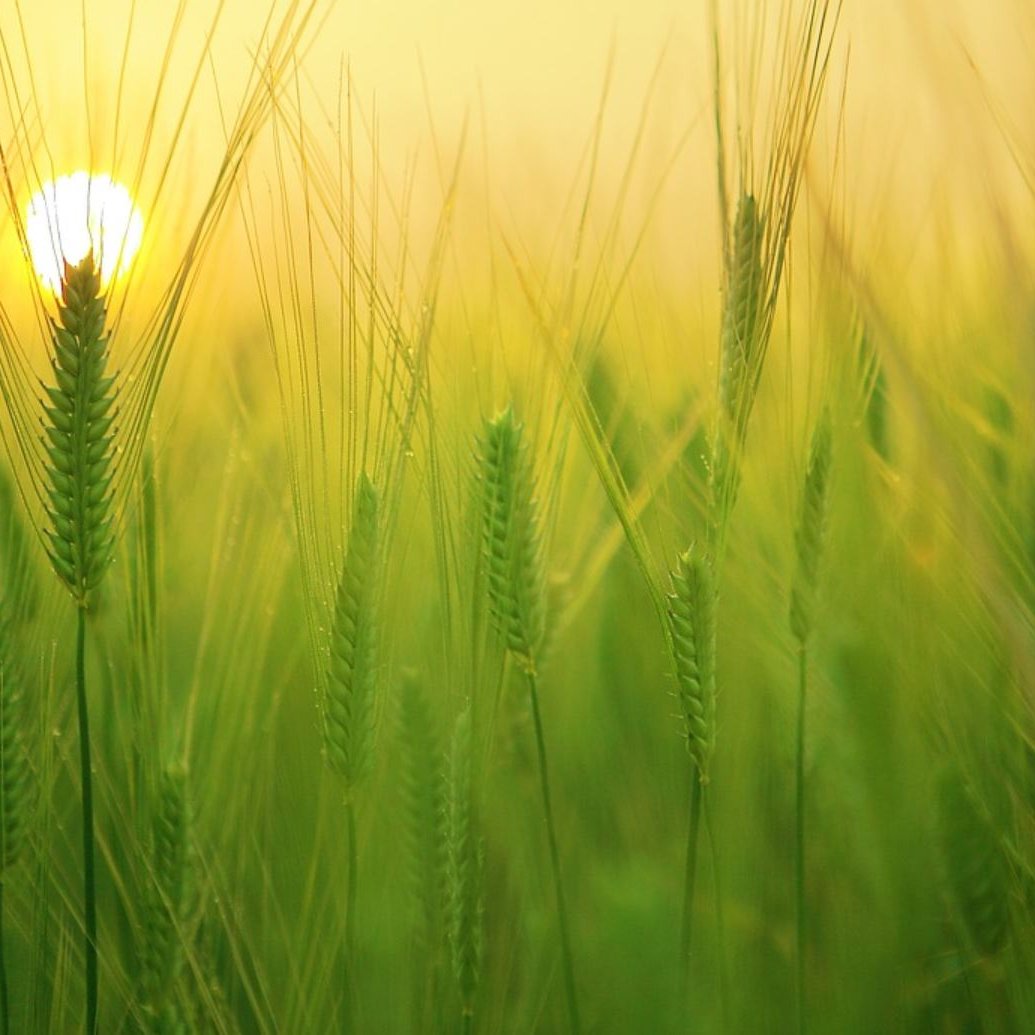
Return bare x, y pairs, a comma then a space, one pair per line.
533, 177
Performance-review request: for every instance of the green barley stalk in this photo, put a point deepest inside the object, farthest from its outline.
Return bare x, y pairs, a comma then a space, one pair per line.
872, 400
692, 623
691, 611
809, 549
810, 532
755, 242
79, 428
741, 349
754, 253
422, 782
173, 1022
68, 477
351, 382
15, 790
510, 538
350, 685
170, 902
975, 866
691, 620
80, 415
515, 577
20, 593
464, 864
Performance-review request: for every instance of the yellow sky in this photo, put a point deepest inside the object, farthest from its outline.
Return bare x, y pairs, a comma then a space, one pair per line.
539, 64
928, 81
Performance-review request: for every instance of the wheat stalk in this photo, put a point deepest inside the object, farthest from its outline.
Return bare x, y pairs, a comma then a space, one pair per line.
78, 425
79, 432
20, 593
691, 622
72, 475
810, 532
351, 679
975, 866
515, 578
741, 350
511, 542
809, 551
422, 783
15, 791
350, 685
15, 769
692, 625
170, 900
464, 862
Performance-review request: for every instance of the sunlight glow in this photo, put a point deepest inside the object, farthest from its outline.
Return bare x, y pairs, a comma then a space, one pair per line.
69, 216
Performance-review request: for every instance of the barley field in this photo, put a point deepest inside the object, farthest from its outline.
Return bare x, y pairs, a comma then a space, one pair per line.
517, 518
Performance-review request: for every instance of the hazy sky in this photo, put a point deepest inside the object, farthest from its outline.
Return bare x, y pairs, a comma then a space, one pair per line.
927, 84
539, 64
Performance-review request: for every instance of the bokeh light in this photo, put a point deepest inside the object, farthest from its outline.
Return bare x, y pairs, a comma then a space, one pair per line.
69, 216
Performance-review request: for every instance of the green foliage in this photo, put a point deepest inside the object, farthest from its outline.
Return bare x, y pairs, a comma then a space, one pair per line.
263, 568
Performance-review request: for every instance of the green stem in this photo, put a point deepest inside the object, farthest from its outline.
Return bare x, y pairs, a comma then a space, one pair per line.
350, 911
89, 882
799, 860
4, 1008
720, 912
690, 880
562, 912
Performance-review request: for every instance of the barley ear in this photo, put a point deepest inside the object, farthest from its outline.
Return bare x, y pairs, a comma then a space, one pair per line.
975, 866
511, 542
172, 1021
78, 425
464, 856
170, 902
351, 680
810, 532
421, 781
740, 349
20, 593
742, 308
691, 613
15, 773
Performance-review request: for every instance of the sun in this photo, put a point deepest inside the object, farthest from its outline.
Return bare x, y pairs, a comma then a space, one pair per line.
73, 214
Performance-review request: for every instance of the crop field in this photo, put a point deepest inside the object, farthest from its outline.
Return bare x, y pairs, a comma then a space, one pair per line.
517, 518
